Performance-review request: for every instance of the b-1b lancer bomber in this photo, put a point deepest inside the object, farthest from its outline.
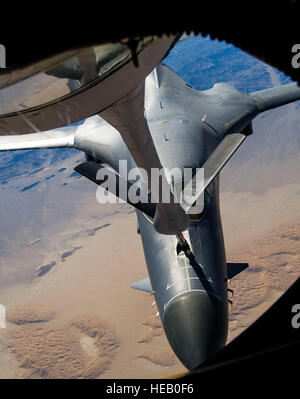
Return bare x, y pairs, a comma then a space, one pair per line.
153, 119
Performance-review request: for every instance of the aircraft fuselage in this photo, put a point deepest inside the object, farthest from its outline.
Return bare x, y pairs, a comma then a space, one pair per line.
190, 291
186, 128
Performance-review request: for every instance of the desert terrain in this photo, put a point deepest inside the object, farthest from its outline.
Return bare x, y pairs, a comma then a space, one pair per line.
83, 317
79, 318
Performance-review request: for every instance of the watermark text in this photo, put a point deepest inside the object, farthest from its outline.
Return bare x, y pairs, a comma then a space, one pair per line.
296, 57
164, 186
296, 317
2, 316
2, 56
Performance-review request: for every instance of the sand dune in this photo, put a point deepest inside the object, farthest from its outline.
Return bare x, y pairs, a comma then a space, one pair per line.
274, 264
26, 315
154, 327
66, 352
164, 358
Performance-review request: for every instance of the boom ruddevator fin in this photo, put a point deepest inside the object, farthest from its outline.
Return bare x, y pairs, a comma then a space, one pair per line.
235, 268
143, 285
213, 165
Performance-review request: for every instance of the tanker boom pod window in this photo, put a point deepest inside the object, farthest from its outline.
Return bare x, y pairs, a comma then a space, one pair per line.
76, 84
87, 67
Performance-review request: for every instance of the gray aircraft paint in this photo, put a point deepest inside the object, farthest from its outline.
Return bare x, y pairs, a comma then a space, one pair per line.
186, 127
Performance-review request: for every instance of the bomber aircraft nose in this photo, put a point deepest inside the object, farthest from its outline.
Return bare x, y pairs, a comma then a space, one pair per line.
196, 327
